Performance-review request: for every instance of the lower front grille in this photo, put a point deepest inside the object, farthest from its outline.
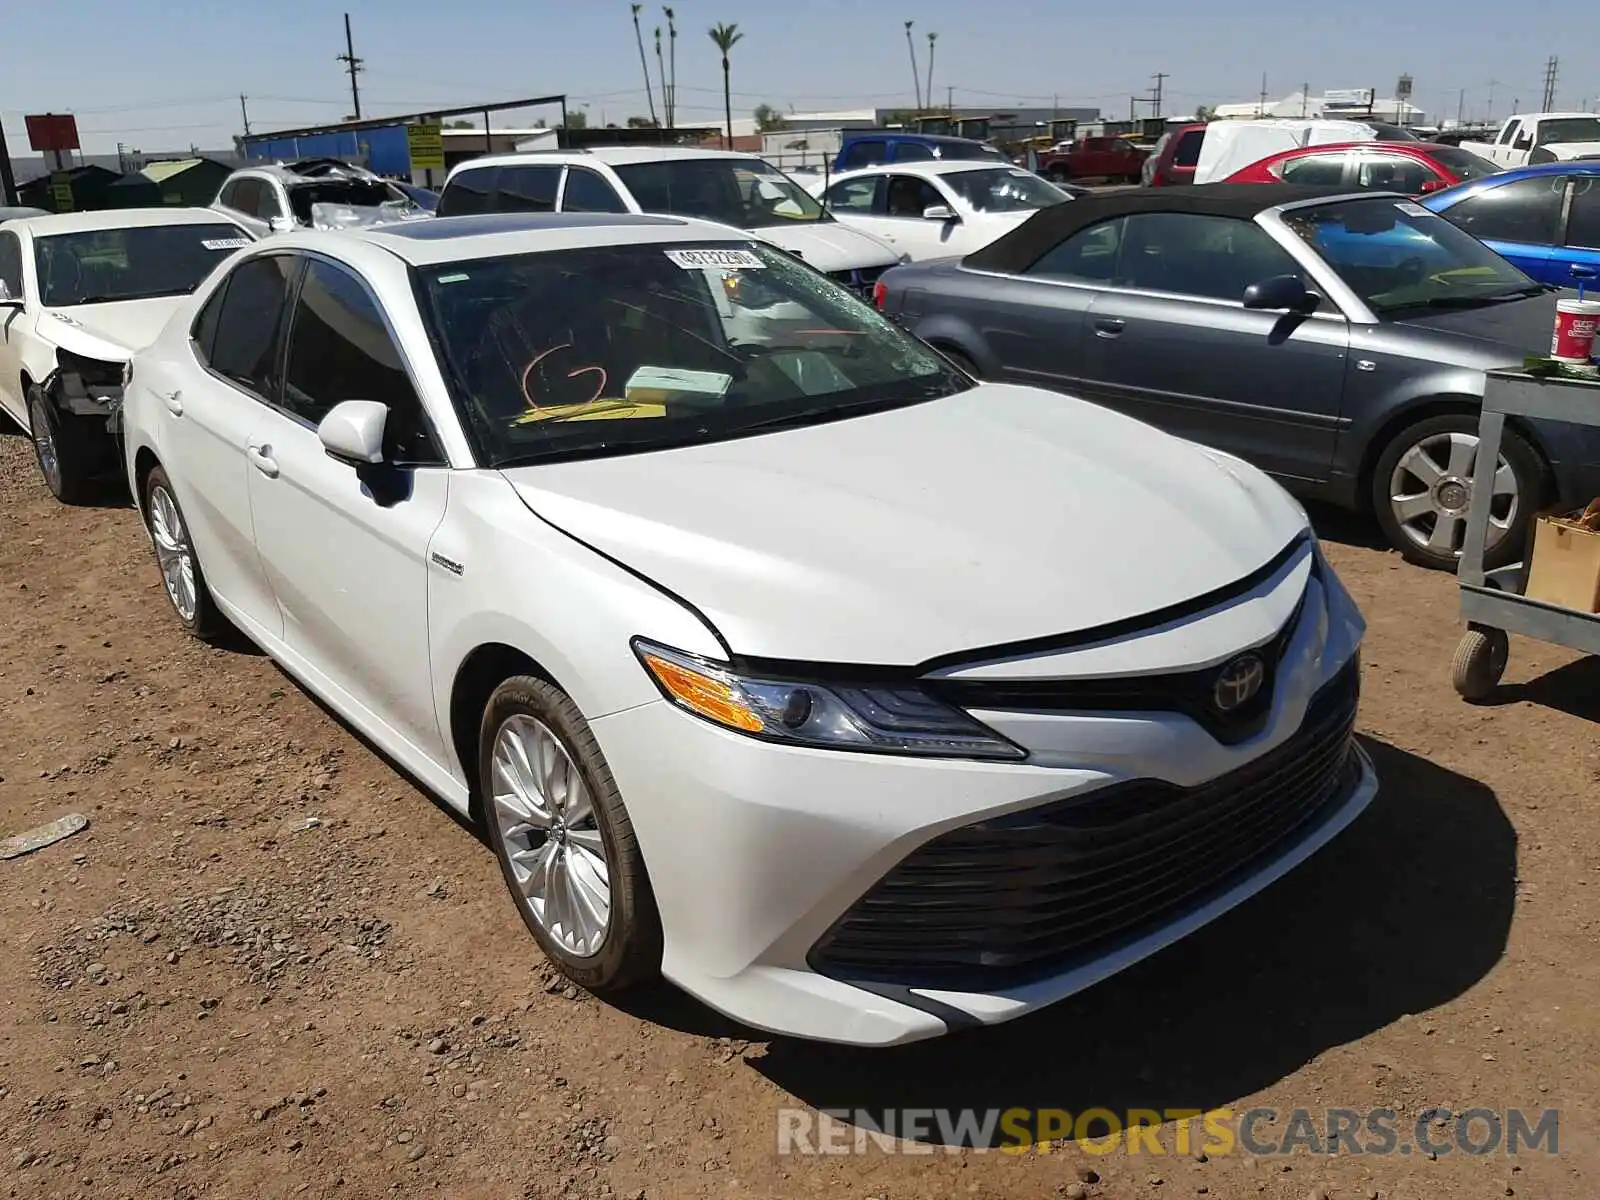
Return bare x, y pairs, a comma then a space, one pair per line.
1037, 892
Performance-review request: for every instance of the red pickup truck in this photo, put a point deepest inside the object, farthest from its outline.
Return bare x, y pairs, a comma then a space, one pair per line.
1112, 158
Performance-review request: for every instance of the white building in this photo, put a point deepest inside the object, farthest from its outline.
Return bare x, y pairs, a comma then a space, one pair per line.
1338, 105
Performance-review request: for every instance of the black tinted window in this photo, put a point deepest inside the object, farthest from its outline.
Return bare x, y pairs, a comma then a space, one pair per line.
204, 330
853, 195
1090, 255
1187, 151
10, 266
245, 349
1583, 223
863, 154
467, 194
527, 189
1525, 210
909, 196
340, 349
1314, 170
587, 191
912, 152
1195, 255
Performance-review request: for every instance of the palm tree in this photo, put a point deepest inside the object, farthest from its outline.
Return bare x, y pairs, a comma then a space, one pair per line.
932, 38
638, 36
661, 72
726, 37
916, 79
672, 66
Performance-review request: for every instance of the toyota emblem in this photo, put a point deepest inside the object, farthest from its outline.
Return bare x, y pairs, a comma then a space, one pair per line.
1238, 682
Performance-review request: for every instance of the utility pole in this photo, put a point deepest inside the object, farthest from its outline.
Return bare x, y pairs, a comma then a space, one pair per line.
352, 64
1489, 115
1550, 69
1461, 107
8, 182
1160, 77
1261, 108
244, 112
1305, 98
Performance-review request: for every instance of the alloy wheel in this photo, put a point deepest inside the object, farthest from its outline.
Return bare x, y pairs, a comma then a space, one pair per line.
552, 841
173, 553
44, 444
1430, 492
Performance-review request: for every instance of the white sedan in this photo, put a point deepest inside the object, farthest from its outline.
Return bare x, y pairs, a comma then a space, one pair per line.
937, 209
79, 293
745, 639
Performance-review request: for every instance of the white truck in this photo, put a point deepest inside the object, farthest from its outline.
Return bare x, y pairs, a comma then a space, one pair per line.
1531, 138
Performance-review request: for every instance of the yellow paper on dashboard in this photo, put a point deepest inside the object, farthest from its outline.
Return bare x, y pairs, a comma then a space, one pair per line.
591, 410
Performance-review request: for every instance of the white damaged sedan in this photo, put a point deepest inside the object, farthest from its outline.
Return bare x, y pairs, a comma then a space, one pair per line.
861, 700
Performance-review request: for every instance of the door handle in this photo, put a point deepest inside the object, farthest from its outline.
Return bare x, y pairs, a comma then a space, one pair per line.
174, 402
261, 458
1109, 327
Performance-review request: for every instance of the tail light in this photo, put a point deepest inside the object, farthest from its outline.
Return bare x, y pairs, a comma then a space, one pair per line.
880, 295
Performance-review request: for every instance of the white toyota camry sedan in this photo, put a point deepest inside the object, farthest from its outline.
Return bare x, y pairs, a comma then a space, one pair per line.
861, 700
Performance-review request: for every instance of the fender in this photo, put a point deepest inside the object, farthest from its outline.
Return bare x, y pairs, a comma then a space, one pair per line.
953, 332
65, 333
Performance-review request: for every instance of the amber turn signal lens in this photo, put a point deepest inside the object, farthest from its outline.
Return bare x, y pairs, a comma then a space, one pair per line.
708, 696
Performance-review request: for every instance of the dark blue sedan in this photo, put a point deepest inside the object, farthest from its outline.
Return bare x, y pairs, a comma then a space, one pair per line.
1545, 219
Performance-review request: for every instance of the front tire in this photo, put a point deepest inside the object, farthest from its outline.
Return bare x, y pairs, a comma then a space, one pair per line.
1422, 488
181, 576
66, 447
564, 838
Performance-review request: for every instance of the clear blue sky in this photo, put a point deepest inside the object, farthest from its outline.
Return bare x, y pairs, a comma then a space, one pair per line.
159, 78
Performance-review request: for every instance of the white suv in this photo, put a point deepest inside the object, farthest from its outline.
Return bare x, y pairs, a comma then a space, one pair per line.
316, 192
732, 189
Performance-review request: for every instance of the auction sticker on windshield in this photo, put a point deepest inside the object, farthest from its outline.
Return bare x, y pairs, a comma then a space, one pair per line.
225, 243
695, 260
1413, 210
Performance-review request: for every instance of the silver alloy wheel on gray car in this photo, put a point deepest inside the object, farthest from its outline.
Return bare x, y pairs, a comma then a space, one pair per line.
44, 443
553, 844
173, 552
1430, 491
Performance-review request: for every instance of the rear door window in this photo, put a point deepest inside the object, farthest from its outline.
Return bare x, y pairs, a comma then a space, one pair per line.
1583, 222
527, 189
587, 191
853, 195
468, 193
249, 328
1314, 170
1088, 256
1391, 173
913, 152
866, 153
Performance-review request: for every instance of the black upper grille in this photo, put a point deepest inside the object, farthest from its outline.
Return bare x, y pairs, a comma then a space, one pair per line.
1032, 893
859, 280
1189, 692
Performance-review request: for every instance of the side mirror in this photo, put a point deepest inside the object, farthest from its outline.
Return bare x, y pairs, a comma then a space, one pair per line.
1281, 292
15, 304
352, 432
939, 212
281, 224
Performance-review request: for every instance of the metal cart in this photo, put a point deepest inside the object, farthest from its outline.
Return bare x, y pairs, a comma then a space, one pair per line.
1492, 603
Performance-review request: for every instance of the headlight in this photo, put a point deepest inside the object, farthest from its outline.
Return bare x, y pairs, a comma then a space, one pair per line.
896, 719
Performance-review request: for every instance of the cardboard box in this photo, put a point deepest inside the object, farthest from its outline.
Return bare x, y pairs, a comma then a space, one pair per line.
1565, 569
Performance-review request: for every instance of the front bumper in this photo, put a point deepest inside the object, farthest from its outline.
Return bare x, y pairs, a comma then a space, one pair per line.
756, 851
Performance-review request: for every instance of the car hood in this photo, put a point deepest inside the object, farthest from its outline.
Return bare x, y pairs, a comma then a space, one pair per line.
1567, 151
830, 245
993, 516
108, 331
1498, 336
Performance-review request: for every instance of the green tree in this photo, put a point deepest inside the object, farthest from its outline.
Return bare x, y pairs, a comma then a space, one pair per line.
642, 123
459, 125
767, 118
577, 119
725, 38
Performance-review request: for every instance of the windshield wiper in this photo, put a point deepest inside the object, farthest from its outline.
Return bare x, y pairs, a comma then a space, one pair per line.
1460, 302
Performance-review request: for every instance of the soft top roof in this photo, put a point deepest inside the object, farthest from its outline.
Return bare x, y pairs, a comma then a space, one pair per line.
1049, 227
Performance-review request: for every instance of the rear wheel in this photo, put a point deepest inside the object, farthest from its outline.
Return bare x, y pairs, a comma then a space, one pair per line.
960, 361
1422, 489
181, 576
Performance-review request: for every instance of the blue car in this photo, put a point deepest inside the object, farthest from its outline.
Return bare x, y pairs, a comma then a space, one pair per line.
1545, 219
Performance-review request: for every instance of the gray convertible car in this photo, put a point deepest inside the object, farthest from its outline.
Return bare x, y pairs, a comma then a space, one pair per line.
1338, 342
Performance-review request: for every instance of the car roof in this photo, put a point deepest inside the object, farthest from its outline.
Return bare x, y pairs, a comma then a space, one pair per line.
611, 156
493, 235
1025, 245
939, 166
120, 218
1414, 149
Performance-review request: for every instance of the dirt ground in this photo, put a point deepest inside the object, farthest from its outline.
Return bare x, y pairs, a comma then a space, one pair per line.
271, 967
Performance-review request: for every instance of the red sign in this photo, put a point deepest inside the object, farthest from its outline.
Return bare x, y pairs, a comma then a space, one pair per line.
53, 131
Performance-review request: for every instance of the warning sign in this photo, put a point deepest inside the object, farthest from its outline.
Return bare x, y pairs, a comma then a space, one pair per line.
61, 191
426, 144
